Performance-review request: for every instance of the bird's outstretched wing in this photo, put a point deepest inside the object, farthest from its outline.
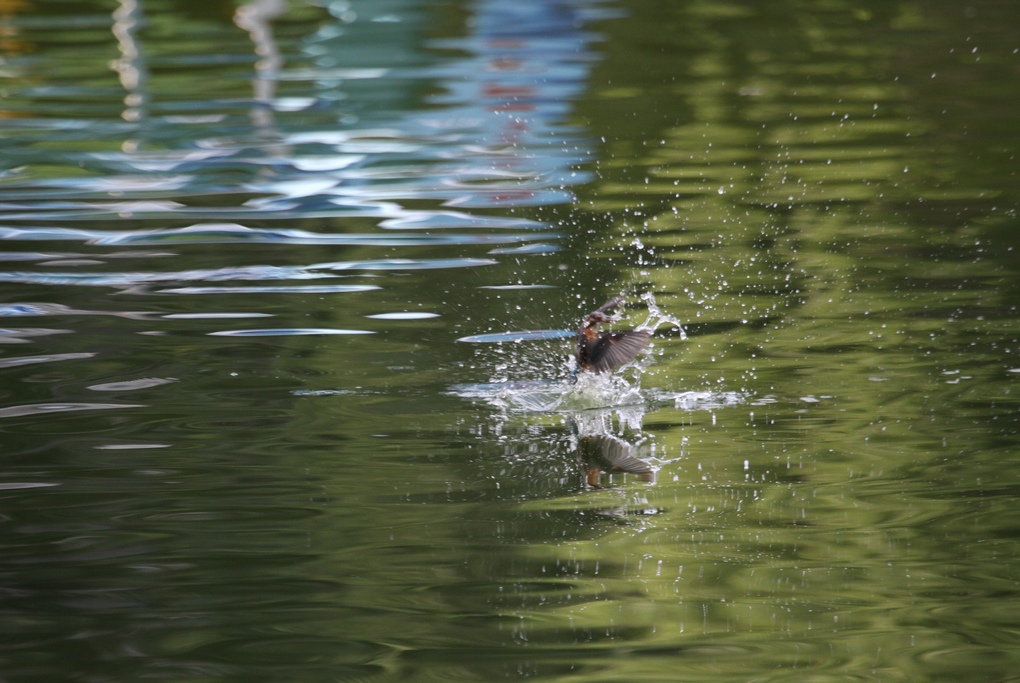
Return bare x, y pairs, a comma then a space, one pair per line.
616, 348
612, 303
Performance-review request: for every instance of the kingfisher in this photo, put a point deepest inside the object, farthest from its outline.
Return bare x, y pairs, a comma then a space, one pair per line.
609, 350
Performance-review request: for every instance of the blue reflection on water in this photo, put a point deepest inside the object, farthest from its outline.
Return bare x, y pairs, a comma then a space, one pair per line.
493, 136
335, 128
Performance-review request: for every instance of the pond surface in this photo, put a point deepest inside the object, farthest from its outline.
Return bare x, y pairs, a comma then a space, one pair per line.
288, 292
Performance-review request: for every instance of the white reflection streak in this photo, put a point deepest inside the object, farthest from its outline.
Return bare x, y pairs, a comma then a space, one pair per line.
130, 67
255, 17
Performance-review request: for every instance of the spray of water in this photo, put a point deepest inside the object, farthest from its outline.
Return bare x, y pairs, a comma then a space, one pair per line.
656, 318
604, 411
571, 392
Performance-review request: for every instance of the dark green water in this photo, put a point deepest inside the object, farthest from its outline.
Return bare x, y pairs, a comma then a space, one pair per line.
239, 437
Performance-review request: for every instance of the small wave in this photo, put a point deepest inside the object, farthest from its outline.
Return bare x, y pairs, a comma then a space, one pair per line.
133, 384
46, 408
403, 315
512, 336
272, 289
286, 332
214, 316
19, 485
31, 360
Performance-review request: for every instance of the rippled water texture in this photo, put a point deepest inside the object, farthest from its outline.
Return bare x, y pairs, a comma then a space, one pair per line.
288, 292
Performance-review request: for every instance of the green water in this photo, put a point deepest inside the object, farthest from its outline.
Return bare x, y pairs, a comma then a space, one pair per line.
239, 437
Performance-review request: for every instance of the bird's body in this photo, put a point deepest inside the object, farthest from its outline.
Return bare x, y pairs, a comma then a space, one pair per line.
607, 351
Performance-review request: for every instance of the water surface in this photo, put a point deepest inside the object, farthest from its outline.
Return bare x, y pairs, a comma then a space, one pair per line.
288, 289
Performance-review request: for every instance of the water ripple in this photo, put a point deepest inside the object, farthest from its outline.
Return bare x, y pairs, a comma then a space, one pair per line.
18, 485
253, 273
214, 316
47, 408
132, 385
46, 308
48, 358
20, 335
217, 233
502, 337
273, 289
403, 315
286, 332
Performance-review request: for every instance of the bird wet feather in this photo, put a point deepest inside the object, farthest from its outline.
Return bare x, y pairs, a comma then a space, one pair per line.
604, 352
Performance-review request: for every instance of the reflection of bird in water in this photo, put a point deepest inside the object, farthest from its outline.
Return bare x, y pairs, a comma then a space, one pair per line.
603, 453
609, 350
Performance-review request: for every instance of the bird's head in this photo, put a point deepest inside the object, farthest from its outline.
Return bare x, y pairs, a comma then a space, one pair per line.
597, 318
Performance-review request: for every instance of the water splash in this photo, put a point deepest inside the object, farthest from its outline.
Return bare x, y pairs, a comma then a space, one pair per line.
591, 393
656, 318
576, 392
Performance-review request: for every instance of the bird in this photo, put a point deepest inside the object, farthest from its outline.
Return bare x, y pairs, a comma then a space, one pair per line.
607, 351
